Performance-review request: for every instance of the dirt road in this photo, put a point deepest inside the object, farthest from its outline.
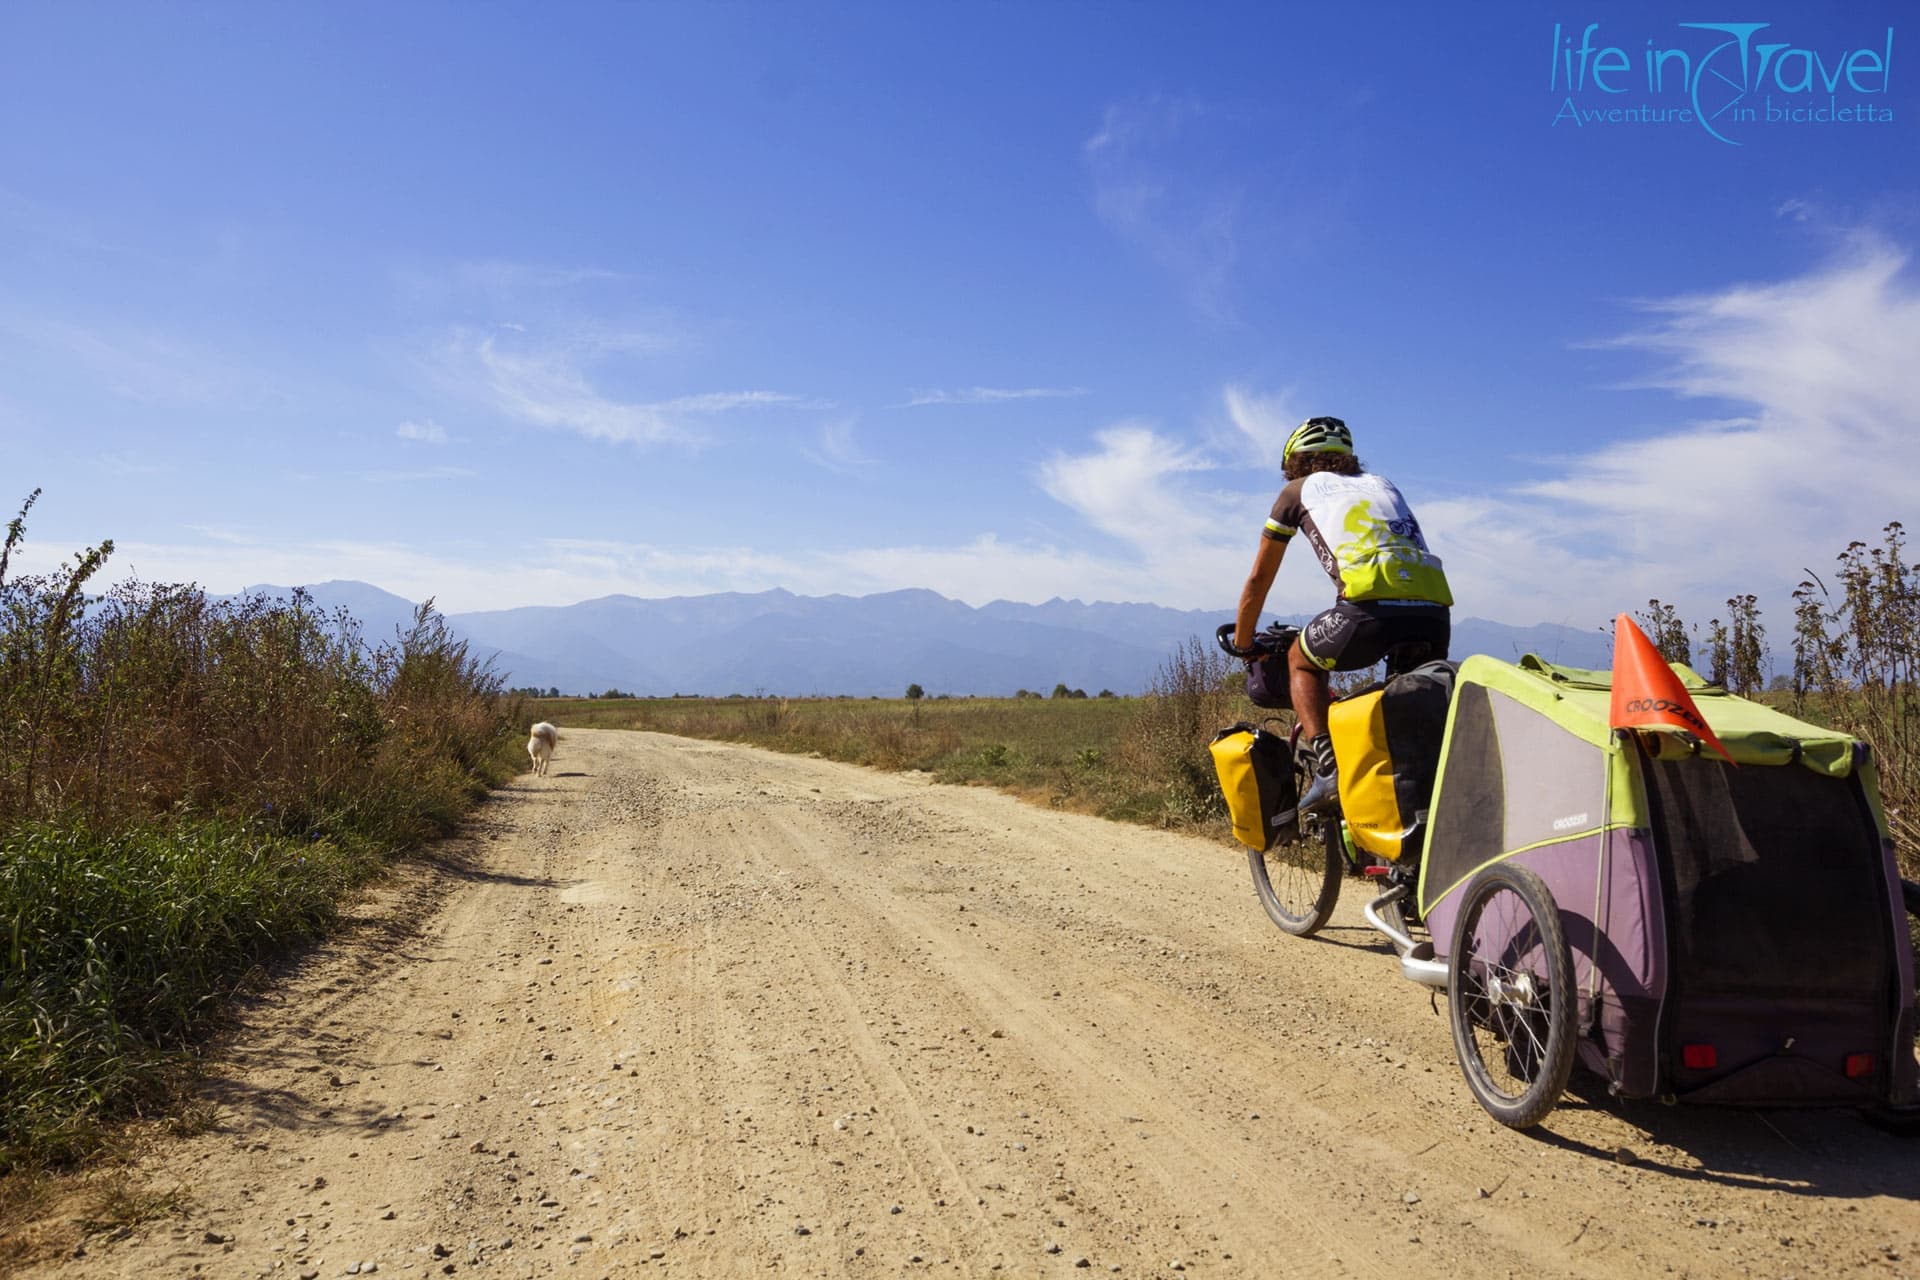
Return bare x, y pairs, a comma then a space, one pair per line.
714, 1011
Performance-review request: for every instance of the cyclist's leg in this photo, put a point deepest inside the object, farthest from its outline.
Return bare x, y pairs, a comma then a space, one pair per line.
1307, 681
1319, 650
1340, 639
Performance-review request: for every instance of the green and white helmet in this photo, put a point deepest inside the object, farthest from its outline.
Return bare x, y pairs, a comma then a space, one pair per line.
1319, 435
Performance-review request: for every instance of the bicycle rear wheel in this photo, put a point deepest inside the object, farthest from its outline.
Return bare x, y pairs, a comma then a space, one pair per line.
1298, 877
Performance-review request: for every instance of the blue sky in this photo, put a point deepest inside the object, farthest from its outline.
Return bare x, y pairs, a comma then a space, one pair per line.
515, 304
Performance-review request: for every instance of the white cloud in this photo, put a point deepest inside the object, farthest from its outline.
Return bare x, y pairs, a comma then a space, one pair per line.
564, 571
220, 533
721, 401
1151, 189
1825, 449
1263, 421
989, 395
1129, 488
549, 386
838, 450
496, 282
148, 367
424, 474
425, 432
1795, 428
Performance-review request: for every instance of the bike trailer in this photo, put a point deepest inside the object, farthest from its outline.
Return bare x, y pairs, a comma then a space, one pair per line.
1737, 931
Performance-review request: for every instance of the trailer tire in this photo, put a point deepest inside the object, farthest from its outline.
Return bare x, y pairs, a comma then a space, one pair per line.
1512, 1003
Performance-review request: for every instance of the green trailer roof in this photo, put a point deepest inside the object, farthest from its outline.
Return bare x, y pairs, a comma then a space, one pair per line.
1579, 701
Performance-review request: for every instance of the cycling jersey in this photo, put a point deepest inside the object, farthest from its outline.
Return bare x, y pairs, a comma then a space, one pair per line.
1364, 536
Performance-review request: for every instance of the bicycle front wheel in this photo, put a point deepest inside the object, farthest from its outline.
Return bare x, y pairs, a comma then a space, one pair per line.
1298, 877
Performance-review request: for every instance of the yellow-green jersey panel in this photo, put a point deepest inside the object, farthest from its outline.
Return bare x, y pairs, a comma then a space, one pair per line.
1363, 534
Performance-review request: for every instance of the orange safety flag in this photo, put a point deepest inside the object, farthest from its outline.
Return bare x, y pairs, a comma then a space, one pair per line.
1647, 694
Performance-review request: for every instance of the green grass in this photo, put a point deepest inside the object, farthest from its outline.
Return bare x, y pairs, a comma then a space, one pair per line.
119, 944
189, 788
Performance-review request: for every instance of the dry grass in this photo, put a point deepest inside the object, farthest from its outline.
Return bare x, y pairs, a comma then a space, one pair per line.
1133, 759
188, 786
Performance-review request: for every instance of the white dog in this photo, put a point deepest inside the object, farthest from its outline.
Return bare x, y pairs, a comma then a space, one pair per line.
540, 745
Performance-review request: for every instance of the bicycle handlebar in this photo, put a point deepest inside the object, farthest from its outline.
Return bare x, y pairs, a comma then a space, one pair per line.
1223, 636
1273, 641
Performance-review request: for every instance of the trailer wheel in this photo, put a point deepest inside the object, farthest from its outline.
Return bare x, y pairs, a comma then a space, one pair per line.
1511, 1001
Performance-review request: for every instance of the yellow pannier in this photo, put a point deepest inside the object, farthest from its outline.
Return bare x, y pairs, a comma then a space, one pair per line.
1256, 776
1386, 743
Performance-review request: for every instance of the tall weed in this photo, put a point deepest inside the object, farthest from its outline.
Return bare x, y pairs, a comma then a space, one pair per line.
187, 786
1196, 691
1857, 666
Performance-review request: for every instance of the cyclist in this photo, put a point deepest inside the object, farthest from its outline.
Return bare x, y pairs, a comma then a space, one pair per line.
1390, 587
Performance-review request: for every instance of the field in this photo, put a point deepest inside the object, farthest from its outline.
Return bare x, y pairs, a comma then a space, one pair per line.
1080, 754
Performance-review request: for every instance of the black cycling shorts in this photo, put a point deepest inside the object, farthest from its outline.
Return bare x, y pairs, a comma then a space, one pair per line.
1354, 635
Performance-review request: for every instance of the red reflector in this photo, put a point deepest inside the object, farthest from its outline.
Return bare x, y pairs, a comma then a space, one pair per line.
1859, 1064
1699, 1057
1376, 872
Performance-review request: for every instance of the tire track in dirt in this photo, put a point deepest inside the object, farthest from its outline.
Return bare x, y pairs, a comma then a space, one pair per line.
1097, 1087
724, 1012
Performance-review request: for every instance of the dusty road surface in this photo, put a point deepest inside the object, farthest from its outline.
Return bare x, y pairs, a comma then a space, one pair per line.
699, 1009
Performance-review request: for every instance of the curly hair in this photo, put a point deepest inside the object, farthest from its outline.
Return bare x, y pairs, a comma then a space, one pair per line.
1305, 464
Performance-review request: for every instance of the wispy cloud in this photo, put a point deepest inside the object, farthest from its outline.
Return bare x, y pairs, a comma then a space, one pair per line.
424, 432
1128, 487
1151, 188
62, 226
123, 463
989, 395
1823, 447
1794, 428
497, 282
838, 450
550, 385
424, 474
1262, 421
220, 533
722, 401
148, 367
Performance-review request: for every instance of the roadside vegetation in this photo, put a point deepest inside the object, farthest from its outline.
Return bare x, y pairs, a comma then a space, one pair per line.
1856, 664
188, 787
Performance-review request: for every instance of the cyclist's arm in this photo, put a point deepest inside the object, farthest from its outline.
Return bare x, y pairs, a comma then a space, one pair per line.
1253, 596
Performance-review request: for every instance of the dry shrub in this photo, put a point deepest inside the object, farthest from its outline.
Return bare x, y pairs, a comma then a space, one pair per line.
1857, 666
187, 786
1164, 749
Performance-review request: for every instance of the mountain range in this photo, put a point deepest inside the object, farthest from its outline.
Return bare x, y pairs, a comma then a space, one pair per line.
776, 642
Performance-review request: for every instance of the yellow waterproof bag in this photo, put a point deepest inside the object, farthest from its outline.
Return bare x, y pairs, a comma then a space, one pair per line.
1386, 743
1358, 726
1256, 776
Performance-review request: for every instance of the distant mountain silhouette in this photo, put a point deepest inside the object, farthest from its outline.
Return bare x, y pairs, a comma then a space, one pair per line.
778, 642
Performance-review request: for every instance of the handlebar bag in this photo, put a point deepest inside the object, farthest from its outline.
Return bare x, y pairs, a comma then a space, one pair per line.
1267, 684
1256, 776
1386, 744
